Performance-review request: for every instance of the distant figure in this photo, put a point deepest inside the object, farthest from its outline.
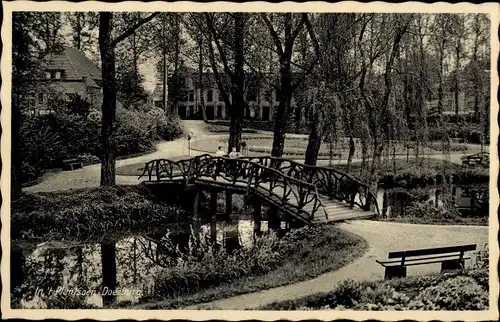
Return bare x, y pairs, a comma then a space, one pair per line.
220, 152
234, 154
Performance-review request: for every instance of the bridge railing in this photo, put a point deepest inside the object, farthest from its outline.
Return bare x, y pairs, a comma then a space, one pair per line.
330, 182
287, 191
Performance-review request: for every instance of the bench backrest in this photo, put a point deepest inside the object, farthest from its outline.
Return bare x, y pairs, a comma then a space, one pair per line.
432, 251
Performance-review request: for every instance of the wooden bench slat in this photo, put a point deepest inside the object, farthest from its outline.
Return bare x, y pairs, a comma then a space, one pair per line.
432, 251
431, 262
71, 161
422, 258
420, 261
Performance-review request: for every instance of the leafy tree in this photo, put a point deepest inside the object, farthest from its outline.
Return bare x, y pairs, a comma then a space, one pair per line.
48, 31
82, 26
26, 52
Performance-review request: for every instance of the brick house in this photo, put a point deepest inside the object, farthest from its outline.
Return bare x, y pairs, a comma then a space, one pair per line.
261, 101
66, 75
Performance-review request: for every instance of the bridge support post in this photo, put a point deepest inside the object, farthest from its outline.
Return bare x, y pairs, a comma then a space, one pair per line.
273, 219
229, 205
257, 216
196, 206
213, 216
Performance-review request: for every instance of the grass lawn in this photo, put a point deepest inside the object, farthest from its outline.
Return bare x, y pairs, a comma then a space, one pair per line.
422, 165
320, 250
459, 290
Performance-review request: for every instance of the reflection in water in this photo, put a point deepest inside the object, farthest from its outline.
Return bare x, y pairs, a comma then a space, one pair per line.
112, 271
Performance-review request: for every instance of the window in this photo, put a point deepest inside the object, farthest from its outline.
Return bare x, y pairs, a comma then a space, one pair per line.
191, 96
184, 96
69, 97
210, 96
47, 75
269, 95
252, 95
40, 98
219, 110
57, 75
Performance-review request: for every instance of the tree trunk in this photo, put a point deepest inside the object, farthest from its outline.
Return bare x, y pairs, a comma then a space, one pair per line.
352, 150
457, 93
15, 167
165, 82
109, 98
176, 64
165, 70
281, 115
313, 145
238, 103
200, 78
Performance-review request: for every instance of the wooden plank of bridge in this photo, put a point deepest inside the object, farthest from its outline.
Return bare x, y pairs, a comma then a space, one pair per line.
335, 209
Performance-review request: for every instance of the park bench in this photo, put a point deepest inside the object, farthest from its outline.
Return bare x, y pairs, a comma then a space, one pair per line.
452, 258
475, 159
71, 164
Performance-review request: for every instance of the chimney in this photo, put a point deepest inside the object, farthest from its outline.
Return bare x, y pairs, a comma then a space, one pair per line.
84, 80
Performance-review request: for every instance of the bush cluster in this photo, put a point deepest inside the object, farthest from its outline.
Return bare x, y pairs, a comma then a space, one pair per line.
86, 212
204, 264
47, 140
459, 290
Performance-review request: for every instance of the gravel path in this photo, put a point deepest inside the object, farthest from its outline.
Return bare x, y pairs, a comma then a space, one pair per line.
89, 176
382, 237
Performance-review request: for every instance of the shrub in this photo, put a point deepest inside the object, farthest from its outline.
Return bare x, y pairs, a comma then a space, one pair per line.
47, 140
205, 264
429, 212
459, 293
457, 290
84, 212
170, 127
89, 159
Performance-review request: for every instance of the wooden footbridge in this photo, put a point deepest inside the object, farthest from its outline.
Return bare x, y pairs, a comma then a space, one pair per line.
309, 194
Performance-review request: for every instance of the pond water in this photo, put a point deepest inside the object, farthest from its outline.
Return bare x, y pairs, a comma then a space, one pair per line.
469, 200
127, 265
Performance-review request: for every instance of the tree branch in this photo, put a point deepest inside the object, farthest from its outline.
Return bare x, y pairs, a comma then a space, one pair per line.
132, 29
317, 50
295, 33
222, 54
274, 34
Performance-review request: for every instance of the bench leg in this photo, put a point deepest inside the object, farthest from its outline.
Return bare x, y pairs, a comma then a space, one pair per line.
395, 272
451, 265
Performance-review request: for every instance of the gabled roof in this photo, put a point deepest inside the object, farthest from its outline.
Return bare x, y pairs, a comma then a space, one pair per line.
75, 65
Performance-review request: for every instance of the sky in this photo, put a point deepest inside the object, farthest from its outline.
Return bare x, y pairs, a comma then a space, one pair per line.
147, 68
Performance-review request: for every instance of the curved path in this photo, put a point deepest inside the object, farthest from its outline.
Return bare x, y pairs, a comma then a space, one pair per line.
382, 237
89, 176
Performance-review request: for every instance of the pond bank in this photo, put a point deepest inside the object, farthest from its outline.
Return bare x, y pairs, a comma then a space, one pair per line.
382, 238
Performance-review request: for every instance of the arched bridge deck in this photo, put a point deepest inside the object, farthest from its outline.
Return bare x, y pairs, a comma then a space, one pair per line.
308, 193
